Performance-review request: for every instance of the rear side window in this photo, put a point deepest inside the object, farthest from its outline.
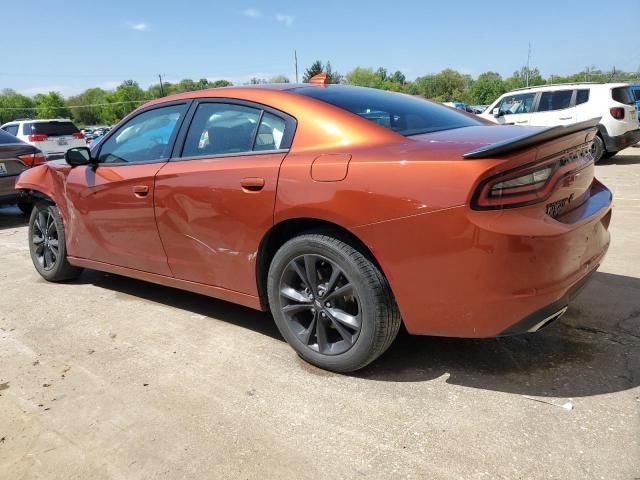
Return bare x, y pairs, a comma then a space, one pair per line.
636, 93
623, 95
582, 96
403, 114
558, 100
12, 129
513, 104
51, 129
270, 133
221, 128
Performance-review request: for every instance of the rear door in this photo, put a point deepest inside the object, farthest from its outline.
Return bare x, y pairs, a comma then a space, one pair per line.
515, 109
215, 202
111, 204
53, 137
555, 107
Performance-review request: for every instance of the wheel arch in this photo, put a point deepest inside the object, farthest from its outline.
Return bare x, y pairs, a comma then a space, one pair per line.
287, 229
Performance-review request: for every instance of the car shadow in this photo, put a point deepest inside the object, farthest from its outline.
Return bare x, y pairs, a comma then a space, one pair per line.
621, 159
592, 350
12, 217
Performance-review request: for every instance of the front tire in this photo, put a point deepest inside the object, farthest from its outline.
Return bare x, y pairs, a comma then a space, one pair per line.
47, 244
331, 303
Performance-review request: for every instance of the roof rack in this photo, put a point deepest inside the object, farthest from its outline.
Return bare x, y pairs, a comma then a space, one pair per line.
558, 85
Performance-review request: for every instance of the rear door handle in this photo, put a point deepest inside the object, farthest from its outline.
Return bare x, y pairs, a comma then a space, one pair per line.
141, 190
252, 184
565, 118
523, 121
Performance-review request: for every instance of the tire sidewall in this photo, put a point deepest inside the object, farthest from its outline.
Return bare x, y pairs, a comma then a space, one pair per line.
599, 149
361, 350
62, 250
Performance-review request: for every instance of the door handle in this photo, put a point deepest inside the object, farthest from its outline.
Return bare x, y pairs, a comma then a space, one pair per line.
565, 118
252, 184
523, 121
140, 191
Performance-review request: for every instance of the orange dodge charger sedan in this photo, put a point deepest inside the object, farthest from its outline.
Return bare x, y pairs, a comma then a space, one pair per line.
346, 211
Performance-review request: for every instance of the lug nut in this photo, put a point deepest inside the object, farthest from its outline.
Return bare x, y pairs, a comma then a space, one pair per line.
328, 304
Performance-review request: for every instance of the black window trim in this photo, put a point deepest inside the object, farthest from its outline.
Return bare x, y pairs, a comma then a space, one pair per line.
290, 128
128, 118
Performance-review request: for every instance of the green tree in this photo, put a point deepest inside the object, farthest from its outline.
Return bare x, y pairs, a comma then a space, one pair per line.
446, 86
363, 77
519, 78
398, 77
486, 88
14, 105
82, 113
51, 105
279, 79
318, 67
126, 98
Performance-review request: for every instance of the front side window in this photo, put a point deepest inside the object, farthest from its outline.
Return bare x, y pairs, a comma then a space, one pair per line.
556, 100
520, 103
582, 96
146, 137
224, 129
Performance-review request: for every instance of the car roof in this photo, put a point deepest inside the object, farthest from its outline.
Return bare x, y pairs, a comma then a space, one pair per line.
561, 86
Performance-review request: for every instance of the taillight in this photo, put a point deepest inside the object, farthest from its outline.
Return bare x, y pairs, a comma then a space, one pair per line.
38, 137
529, 184
33, 159
78, 135
617, 113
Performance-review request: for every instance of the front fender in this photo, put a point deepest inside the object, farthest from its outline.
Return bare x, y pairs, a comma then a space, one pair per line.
45, 181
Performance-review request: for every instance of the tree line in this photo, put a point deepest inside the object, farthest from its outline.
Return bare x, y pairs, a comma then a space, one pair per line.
97, 106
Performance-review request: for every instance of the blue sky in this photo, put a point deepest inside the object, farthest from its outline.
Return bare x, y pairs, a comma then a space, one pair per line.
68, 46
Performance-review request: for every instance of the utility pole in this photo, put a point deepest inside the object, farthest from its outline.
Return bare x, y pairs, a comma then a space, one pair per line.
161, 87
295, 56
528, 64
586, 74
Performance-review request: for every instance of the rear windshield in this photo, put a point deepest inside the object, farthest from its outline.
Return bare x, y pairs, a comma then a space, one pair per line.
52, 129
403, 114
623, 95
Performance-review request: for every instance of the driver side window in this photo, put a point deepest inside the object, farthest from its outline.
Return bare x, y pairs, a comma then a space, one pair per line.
146, 137
514, 104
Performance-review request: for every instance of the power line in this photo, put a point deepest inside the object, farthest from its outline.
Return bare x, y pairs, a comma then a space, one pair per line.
75, 106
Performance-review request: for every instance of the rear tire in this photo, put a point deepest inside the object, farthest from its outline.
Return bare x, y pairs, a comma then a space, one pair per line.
597, 149
47, 244
331, 303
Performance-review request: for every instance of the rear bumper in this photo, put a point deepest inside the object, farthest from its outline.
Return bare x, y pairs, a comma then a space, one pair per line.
615, 144
463, 273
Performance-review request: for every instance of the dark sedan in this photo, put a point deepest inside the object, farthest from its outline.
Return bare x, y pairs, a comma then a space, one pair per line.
16, 156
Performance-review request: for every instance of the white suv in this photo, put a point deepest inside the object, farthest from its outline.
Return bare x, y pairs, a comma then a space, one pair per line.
564, 104
53, 137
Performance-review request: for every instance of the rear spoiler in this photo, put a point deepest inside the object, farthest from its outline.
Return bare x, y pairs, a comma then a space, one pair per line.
531, 138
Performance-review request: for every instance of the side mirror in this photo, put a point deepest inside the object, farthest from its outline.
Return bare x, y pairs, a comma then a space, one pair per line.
78, 156
496, 113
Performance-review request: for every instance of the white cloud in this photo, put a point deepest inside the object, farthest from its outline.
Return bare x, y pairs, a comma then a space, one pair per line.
285, 19
251, 12
139, 27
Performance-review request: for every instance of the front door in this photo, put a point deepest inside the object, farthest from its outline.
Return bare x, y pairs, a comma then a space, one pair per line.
111, 204
515, 109
215, 203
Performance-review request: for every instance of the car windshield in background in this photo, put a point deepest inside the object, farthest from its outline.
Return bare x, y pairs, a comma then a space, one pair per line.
403, 114
52, 129
623, 95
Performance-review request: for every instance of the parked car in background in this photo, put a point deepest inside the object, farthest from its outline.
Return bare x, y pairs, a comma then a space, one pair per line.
53, 137
460, 106
566, 104
345, 210
478, 109
16, 156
